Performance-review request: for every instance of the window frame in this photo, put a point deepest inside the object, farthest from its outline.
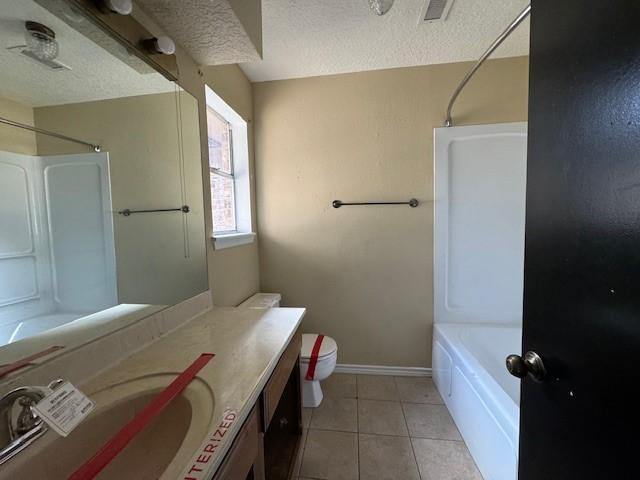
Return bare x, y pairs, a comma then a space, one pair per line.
239, 160
220, 172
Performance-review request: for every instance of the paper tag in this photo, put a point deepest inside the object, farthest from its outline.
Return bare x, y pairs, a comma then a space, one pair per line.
64, 408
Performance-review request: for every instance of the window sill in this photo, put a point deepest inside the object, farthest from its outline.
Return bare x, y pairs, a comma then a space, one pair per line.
230, 240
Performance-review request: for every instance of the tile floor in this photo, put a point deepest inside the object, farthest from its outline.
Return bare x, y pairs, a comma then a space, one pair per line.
371, 427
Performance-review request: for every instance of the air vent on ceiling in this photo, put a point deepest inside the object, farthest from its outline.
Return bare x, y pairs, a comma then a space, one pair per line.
50, 64
436, 10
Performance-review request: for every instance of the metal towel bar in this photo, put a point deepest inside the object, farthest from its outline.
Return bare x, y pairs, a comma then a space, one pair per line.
412, 203
126, 212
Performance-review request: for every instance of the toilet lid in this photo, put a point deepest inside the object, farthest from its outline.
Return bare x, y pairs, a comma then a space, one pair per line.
328, 346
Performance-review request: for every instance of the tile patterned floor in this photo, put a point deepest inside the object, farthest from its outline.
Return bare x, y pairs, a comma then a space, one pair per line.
371, 427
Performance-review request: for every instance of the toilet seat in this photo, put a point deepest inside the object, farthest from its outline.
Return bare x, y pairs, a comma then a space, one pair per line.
327, 348
326, 363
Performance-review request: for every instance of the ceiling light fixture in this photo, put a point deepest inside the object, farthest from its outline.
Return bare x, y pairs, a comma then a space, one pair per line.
41, 41
121, 7
163, 45
380, 7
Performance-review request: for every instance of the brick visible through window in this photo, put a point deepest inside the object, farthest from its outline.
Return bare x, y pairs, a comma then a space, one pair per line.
221, 173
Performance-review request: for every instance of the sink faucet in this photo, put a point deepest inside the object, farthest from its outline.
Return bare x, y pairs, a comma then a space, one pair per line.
23, 425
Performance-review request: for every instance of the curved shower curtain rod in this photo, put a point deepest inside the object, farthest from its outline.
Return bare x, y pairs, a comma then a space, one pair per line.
12, 123
498, 41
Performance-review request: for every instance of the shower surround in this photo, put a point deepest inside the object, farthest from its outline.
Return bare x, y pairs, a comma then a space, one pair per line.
57, 256
480, 183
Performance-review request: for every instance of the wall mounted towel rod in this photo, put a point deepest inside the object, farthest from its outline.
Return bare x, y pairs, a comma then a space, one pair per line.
339, 203
12, 123
126, 212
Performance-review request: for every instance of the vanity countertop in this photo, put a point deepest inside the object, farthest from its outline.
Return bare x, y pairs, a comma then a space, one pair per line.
247, 344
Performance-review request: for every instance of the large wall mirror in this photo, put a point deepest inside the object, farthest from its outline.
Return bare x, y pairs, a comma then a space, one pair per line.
79, 248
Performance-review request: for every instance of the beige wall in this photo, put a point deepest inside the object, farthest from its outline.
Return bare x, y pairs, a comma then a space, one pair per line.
364, 273
233, 272
249, 12
14, 139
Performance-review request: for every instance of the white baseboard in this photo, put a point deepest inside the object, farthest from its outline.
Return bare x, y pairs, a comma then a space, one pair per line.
383, 370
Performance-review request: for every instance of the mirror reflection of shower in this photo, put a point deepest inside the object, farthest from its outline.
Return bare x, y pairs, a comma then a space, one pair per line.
56, 244
87, 130
57, 254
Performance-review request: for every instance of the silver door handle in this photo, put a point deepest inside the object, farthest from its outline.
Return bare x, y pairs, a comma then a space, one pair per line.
531, 364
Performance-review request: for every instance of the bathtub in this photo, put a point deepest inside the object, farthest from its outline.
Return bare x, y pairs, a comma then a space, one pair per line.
483, 399
35, 325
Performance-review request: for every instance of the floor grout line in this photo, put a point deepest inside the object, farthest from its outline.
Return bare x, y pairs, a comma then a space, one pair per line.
384, 435
305, 434
413, 437
425, 403
388, 401
358, 428
439, 440
413, 452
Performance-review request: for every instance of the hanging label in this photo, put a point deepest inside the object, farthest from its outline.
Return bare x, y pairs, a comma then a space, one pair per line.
64, 408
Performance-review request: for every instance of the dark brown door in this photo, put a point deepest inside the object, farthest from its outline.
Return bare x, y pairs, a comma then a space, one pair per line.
582, 249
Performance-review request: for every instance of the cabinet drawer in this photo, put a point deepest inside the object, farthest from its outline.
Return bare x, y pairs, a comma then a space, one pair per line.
244, 451
275, 386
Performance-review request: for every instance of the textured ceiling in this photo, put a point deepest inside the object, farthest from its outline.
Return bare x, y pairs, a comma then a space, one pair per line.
304, 38
213, 32
95, 73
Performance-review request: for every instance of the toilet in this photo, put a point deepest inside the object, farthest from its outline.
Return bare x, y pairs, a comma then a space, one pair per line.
326, 355
325, 364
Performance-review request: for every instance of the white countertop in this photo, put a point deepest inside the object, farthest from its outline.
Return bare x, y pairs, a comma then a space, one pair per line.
247, 344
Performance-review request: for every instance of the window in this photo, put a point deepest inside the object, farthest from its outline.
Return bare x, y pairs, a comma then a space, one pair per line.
228, 174
223, 195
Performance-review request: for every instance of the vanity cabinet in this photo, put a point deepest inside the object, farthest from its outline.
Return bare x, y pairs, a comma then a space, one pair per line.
282, 413
267, 444
245, 457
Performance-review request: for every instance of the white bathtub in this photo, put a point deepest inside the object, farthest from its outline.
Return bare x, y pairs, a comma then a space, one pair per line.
35, 325
484, 400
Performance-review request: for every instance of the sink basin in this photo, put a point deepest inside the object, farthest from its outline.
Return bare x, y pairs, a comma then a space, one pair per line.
162, 449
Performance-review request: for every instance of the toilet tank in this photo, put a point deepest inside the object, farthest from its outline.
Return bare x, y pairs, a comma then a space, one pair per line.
262, 300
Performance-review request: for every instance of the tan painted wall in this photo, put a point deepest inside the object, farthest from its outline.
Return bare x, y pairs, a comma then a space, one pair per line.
14, 139
364, 273
249, 12
233, 272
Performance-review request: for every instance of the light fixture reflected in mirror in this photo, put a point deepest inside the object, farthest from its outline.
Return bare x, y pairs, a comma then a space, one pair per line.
163, 45
121, 7
41, 41
380, 7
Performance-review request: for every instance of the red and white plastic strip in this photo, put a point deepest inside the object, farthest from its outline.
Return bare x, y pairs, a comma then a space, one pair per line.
313, 360
208, 451
23, 362
114, 446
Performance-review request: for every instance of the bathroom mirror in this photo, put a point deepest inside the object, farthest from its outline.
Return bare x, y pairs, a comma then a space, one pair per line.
80, 251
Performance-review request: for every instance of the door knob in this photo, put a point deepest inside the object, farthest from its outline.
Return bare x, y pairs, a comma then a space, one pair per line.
531, 364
